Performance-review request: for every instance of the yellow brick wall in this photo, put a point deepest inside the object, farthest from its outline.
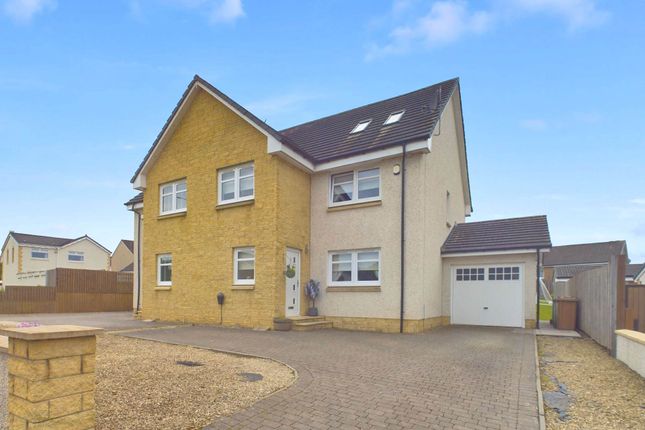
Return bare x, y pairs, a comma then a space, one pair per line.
210, 137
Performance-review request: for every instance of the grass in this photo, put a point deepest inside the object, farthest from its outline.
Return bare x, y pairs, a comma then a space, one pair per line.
546, 311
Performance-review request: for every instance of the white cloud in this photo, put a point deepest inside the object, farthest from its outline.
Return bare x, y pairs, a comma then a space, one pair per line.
448, 21
281, 104
22, 11
227, 11
638, 201
534, 124
576, 13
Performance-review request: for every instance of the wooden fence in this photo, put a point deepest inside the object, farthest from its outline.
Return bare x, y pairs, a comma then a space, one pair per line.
71, 290
634, 308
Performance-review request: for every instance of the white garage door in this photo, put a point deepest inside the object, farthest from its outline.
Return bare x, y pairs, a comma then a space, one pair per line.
489, 295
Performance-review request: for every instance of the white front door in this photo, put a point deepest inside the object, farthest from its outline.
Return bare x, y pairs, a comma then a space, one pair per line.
292, 284
488, 294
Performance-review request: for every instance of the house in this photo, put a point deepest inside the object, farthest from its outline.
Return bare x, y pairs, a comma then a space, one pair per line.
370, 201
27, 257
635, 273
564, 262
122, 259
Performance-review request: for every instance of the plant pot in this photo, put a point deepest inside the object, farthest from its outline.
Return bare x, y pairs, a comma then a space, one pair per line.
312, 312
281, 324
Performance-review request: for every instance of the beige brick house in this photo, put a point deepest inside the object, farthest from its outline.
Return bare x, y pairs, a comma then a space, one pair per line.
362, 201
27, 257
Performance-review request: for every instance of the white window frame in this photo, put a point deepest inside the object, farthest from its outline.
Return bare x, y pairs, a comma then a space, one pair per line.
391, 119
361, 126
354, 263
79, 253
173, 193
355, 181
159, 265
236, 261
44, 250
236, 182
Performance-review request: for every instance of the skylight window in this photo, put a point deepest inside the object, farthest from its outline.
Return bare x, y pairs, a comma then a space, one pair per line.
361, 126
394, 117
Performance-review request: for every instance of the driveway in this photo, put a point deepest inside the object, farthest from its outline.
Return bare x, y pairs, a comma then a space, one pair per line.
452, 377
107, 320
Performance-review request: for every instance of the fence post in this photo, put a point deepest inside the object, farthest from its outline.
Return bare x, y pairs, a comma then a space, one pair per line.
51, 377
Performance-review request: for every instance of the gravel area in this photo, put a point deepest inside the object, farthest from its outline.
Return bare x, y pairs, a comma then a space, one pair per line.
585, 388
140, 385
3, 391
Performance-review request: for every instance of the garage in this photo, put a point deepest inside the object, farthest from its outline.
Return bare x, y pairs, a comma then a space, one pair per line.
490, 295
490, 271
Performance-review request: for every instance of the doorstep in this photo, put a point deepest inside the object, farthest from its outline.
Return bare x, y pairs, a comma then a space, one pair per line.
305, 323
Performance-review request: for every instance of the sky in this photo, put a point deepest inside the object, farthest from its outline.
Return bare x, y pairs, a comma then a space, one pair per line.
552, 95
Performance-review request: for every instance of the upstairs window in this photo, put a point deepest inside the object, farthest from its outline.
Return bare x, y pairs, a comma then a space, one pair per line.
173, 197
39, 253
394, 117
76, 256
361, 126
356, 186
236, 184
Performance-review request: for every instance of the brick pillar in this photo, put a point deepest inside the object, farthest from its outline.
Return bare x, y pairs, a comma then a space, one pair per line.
51, 377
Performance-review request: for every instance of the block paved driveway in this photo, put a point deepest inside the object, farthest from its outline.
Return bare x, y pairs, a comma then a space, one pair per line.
449, 378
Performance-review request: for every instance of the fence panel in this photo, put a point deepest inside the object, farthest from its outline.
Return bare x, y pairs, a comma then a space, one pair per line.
634, 304
71, 290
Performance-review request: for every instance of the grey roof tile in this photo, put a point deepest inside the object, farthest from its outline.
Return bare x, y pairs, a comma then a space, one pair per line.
499, 235
582, 253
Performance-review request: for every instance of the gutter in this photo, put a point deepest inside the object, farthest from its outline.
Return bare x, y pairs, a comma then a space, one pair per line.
403, 150
138, 262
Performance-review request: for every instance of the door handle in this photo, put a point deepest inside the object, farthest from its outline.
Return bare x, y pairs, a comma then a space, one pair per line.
485, 307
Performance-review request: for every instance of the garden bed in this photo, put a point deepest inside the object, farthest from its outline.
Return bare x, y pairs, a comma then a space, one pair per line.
151, 385
585, 388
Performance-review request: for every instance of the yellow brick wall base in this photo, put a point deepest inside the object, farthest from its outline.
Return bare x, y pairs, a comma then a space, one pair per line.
386, 325
529, 323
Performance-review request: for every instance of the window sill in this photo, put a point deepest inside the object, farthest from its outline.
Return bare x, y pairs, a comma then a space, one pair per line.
354, 206
243, 287
163, 287
354, 289
235, 204
172, 215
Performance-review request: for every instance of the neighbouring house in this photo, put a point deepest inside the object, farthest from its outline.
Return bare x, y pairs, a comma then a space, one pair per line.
564, 262
27, 257
635, 273
122, 259
371, 202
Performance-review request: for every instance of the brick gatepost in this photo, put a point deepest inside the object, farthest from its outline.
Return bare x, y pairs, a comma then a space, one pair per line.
51, 377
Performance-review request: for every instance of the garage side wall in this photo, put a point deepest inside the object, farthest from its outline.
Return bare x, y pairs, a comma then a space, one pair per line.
529, 262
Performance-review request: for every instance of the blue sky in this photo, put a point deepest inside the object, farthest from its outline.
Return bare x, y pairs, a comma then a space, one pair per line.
552, 92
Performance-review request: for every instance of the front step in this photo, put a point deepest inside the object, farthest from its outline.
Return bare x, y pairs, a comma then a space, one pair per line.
304, 323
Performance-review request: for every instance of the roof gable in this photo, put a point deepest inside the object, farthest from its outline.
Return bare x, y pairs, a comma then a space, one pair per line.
49, 241
328, 138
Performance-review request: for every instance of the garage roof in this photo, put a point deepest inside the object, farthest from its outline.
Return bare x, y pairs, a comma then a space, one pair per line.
584, 253
499, 235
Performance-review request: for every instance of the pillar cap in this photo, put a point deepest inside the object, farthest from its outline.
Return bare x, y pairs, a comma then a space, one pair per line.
49, 332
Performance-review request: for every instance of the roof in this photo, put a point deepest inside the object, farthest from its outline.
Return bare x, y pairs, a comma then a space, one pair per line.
573, 269
136, 199
197, 80
584, 253
128, 244
633, 270
32, 239
499, 235
128, 268
49, 241
329, 138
